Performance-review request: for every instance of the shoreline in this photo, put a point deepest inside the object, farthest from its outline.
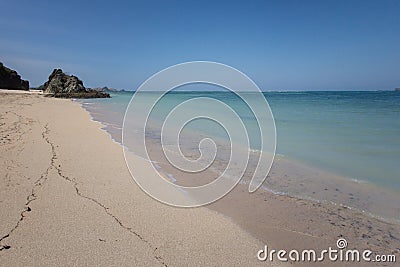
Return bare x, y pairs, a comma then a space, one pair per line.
331, 220
67, 198
338, 185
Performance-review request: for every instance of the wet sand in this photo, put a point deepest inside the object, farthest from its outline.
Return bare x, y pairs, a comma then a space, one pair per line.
287, 222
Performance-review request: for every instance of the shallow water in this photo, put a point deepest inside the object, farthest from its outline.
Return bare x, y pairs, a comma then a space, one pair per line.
329, 141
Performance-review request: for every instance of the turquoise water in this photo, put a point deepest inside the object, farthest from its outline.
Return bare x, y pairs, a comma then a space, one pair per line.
353, 134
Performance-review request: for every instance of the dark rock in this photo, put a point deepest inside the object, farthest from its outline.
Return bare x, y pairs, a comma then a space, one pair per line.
60, 82
9, 79
68, 86
397, 89
86, 94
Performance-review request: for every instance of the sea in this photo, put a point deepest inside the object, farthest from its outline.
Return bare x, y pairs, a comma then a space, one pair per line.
339, 147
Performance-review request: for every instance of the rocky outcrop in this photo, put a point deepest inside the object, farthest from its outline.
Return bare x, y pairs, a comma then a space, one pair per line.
68, 86
9, 79
397, 89
59, 82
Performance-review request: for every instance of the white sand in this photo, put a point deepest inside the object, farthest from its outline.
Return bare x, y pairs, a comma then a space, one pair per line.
85, 207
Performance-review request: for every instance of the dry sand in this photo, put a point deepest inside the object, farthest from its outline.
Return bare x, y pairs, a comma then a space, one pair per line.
85, 209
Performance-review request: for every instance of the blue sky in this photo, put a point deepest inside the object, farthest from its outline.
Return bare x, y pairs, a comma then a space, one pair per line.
281, 45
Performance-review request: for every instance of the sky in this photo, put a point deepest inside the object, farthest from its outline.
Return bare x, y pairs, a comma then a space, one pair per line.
281, 45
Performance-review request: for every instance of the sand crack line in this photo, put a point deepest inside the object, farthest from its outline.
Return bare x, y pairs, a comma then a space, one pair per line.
33, 195
106, 209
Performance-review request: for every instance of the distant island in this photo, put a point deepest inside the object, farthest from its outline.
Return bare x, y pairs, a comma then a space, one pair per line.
106, 89
397, 89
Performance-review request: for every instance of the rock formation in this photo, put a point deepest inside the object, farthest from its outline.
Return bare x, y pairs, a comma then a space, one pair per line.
9, 79
397, 89
68, 86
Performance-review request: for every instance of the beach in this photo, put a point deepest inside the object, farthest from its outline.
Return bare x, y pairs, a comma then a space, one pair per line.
84, 208
67, 198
